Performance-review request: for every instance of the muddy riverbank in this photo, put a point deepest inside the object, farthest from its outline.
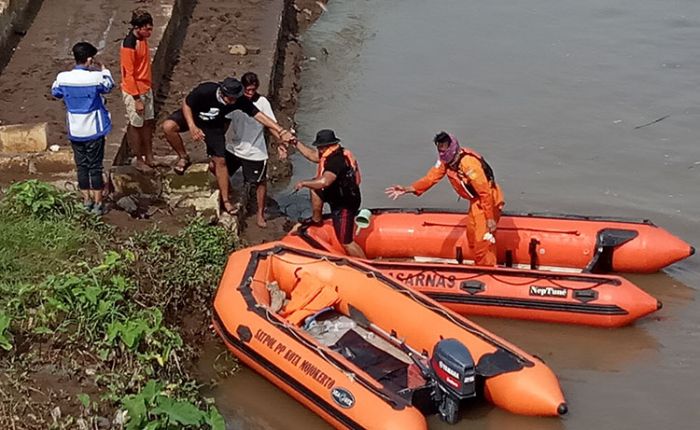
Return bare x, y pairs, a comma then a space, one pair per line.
59, 381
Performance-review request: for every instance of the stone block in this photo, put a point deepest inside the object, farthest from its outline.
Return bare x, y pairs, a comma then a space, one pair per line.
200, 201
23, 138
127, 180
16, 163
197, 178
229, 222
54, 162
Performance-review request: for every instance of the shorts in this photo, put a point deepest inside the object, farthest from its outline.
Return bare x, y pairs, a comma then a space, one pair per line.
254, 171
344, 224
215, 138
88, 158
135, 119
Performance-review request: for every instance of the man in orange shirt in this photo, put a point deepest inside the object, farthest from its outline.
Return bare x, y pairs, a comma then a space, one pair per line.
472, 178
136, 88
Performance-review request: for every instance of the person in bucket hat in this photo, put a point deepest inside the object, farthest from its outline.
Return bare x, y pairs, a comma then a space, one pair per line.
203, 114
337, 182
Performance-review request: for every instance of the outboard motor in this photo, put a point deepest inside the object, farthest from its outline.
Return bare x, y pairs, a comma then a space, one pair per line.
453, 372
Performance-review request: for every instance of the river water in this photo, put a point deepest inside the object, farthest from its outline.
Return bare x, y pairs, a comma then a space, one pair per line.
553, 94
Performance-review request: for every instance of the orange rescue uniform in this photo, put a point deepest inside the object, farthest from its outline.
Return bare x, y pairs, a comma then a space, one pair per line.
471, 182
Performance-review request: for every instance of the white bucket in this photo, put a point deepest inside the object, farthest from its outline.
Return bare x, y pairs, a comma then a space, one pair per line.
363, 217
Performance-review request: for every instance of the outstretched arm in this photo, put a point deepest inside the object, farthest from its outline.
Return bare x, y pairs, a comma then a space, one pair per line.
274, 128
434, 175
396, 191
308, 152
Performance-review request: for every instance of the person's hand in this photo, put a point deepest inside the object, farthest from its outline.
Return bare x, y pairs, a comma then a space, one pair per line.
299, 185
489, 237
139, 106
96, 65
286, 136
197, 134
395, 191
282, 151
491, 225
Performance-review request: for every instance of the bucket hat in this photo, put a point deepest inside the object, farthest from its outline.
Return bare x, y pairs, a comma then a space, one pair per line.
325, 137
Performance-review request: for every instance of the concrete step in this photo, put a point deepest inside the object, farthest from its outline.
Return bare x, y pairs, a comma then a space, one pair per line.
21, 138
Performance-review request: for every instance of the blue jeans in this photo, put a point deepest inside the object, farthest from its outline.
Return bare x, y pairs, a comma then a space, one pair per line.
88, 160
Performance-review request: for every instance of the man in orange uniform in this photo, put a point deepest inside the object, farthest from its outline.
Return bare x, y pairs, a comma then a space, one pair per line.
136, 85
472, 178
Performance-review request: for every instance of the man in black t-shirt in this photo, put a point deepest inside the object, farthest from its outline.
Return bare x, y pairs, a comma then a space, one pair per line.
337, 183
203, 114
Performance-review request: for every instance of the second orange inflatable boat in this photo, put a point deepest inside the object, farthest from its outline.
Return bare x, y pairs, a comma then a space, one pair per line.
565, 297
589, 244
363, 351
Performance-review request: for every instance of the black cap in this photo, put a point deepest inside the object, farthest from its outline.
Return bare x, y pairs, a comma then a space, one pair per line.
231, 87
325, 137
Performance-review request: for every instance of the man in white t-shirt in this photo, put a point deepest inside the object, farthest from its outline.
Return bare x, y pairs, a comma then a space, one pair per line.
246, 146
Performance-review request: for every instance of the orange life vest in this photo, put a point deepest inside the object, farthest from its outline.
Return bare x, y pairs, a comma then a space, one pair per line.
461, 180
349, 159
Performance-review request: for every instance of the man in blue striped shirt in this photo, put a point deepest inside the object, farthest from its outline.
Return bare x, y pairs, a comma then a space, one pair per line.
88, 120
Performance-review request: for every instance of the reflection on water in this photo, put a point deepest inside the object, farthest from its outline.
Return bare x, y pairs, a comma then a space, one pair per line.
247, 400
250, 402
577, 347
551, 93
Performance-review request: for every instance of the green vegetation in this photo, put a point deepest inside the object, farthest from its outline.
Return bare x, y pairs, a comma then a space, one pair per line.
42, 229
104, 315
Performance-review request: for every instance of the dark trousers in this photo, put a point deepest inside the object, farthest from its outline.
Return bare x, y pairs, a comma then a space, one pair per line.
88, 159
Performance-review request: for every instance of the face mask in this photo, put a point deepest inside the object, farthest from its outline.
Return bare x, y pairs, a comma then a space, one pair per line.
449, 154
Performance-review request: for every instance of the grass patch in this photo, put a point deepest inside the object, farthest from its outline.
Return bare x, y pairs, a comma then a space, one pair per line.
42, 231
33, 248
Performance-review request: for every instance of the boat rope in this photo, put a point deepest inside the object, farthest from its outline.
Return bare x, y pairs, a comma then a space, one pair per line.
538, 230
320, 259
499, 279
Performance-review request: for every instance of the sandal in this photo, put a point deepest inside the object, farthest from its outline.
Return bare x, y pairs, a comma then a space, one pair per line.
182, 164
229, 208
142, 167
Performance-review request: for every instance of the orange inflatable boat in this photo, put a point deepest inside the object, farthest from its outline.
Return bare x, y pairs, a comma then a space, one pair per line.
572, 298
364, 351
588, 244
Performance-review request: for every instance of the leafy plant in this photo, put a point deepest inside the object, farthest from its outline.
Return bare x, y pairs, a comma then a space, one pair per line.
154, 410
87, 302
40, 200
145, 328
